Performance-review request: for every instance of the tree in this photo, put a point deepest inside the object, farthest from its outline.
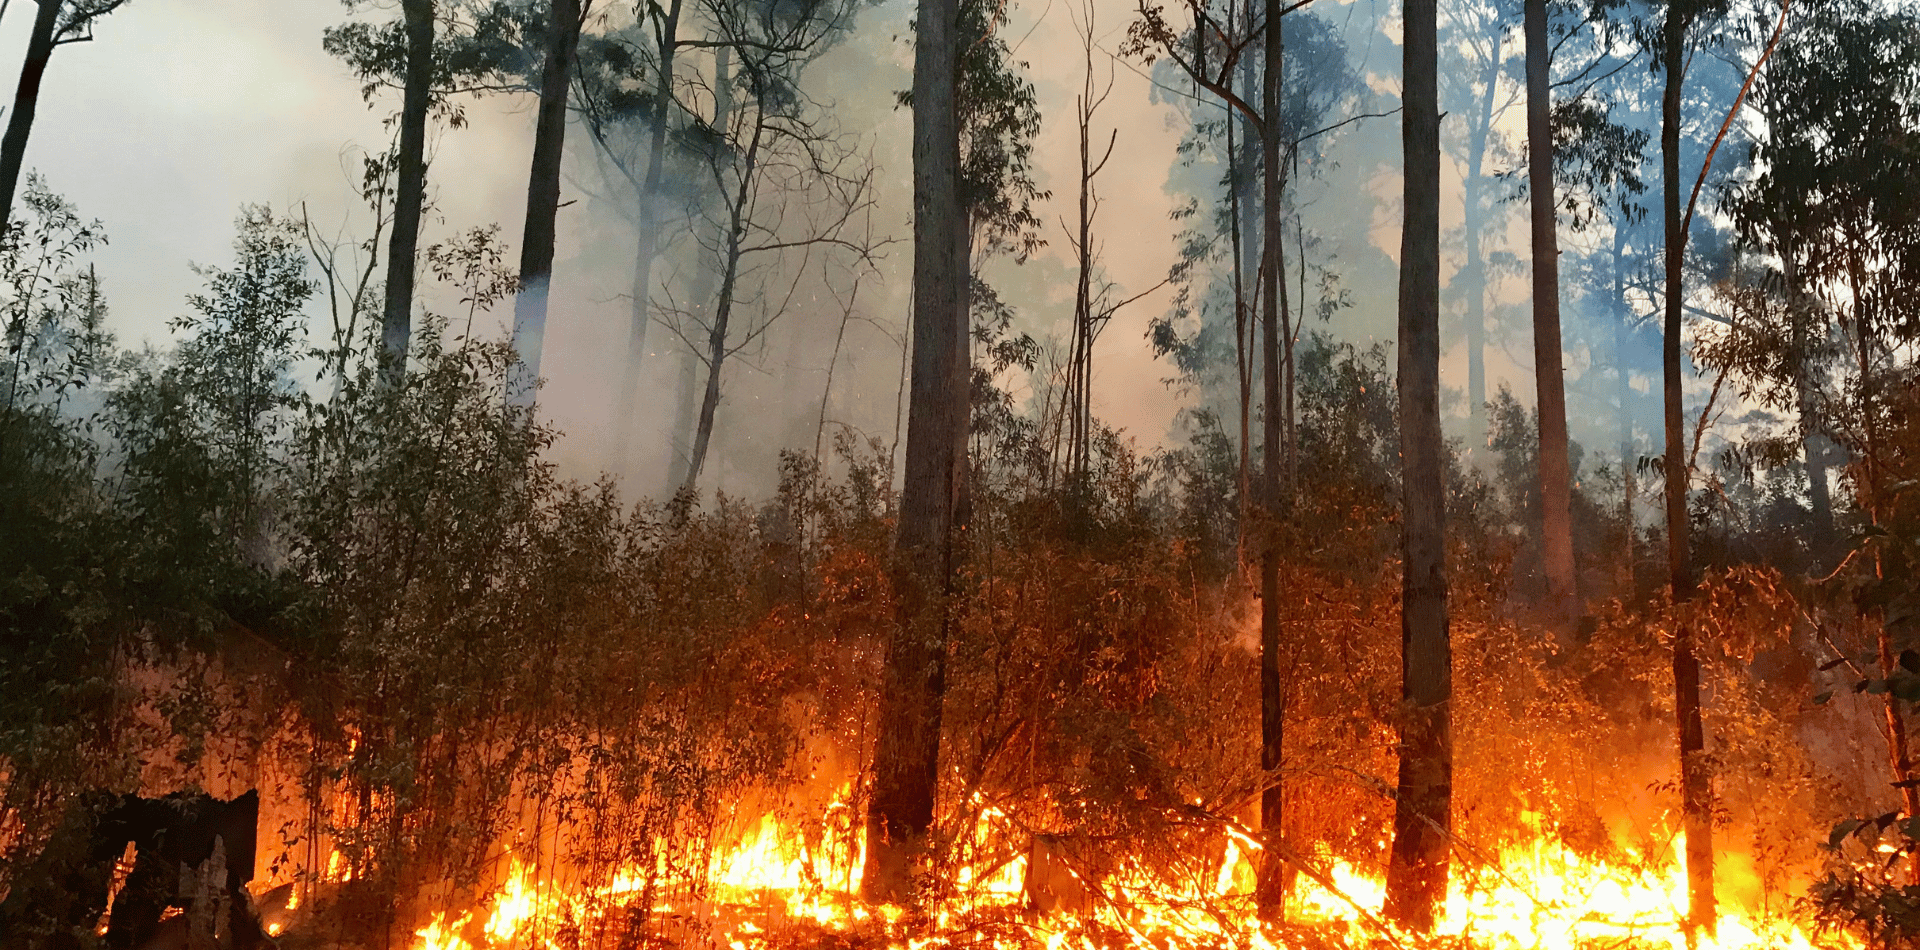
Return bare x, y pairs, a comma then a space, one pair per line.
1475, 88
1696, 777
55, 24
627, 96
1831, 197
566, 18
1092, 303
1556, 480
1270, 888
438, 49
396, 323
906, 756
780, 162
1417, 873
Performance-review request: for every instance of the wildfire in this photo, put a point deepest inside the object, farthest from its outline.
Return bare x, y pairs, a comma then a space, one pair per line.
777, 884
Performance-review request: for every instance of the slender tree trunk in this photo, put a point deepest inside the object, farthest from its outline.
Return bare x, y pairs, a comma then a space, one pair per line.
646, 232
686, 408
1867, 490
1242, 355
906, 755
833, 360
1623, 376
1696, 788
543, 200
1556, 478
26, 98
1081, 373
1417, 872
1812, 440
685, 414
723, 307
1471, 196
1250, 238
410, 192
1270, 889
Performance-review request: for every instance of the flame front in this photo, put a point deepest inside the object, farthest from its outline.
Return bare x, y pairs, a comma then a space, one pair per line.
773, 888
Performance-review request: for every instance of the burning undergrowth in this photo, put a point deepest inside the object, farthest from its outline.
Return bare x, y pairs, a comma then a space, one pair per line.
487, 709
680, 763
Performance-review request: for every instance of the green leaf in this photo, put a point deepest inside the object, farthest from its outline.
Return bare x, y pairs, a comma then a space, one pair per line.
1821, 699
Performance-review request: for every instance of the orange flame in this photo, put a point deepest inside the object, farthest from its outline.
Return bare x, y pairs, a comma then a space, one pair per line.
1540, 894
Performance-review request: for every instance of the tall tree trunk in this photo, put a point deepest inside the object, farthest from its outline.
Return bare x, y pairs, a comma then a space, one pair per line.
723, 307
1080, 372
1813, 441
1242, 351
1556, 478
1246, 263
906, 755
410, 192
26, 98
543, 200
1417, 872
1470, 198
1696, 788
1623, 378
1270, 889
646, 231
686, 409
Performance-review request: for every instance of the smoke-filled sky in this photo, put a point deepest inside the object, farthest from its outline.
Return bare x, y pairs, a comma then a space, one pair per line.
180, 111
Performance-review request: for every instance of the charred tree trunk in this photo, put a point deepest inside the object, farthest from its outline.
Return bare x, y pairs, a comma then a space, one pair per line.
1270, 889
26, 98
543, 199
906, 756
1556, 478
1696, 789
410, 192
1417, 873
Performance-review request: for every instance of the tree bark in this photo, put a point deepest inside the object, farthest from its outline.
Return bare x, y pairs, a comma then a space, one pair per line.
26, 98
1556, 477
543, 200
1696, 789
1270, 889
906, 756
1417, 872
410, 192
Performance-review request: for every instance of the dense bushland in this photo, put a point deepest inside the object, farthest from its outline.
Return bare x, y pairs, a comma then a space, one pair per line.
229, 564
